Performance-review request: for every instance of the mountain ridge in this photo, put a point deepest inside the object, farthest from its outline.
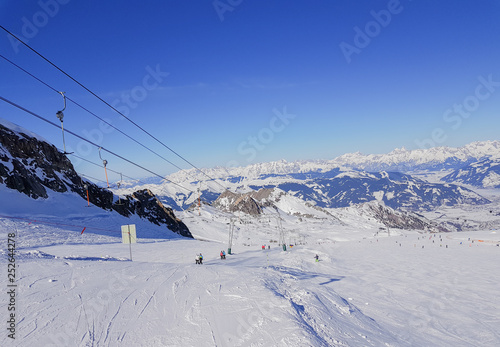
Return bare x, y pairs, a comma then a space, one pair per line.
399, 159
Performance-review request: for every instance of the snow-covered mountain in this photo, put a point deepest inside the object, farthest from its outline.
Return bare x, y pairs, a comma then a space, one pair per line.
345, 180
399, 160
256, 202
398, 191
484, 173
330, 189
437, 158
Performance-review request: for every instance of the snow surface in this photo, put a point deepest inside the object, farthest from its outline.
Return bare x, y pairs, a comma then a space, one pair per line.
369, 289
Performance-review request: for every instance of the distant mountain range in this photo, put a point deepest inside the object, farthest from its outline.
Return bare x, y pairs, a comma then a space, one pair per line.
356, 178
38, 168
399, 160
484, 174
436, 158
396, 190
254, 203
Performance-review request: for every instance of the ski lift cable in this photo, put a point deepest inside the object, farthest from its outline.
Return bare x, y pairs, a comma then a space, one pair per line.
118, 173
109, 105
89, 177
96, 116
92, 143
99, 165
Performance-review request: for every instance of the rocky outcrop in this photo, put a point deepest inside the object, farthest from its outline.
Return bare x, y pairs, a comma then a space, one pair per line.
400, 220
31, 166
148, 205
35, 168
232, 202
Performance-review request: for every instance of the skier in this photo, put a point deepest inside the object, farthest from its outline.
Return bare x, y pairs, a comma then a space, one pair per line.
200, 259
316, 257
224, 254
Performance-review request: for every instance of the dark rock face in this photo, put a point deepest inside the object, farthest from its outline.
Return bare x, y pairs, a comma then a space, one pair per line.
31, 166
401, 220
34, 165
148, 205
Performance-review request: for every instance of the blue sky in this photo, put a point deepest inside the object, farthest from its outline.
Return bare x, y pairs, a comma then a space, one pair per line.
234, 82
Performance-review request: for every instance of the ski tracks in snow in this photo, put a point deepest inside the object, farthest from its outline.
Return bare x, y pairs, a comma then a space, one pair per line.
327, 318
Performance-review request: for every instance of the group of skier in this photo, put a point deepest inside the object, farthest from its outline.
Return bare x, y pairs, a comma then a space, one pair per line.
199, 257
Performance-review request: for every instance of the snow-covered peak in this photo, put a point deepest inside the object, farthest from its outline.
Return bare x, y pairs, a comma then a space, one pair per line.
281, 167
402, 157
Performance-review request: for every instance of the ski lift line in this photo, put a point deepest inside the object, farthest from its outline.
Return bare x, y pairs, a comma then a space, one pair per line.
109, 105
119, 173
90, 177
116, 172
92, 143
96, 116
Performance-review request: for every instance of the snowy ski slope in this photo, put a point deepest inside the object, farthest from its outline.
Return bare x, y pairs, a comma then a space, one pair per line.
406, 289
